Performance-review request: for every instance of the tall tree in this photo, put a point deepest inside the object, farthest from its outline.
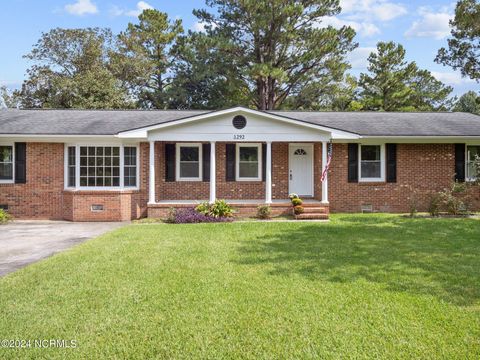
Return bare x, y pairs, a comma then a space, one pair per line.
7, 100
203, 80
463, 51
279, 46
145, 58
71, 70
468, 102
393, 84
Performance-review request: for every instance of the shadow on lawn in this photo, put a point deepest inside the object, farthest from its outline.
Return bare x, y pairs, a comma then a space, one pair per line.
431, 257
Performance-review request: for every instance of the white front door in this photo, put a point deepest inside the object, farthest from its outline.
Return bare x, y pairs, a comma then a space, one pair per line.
300, 173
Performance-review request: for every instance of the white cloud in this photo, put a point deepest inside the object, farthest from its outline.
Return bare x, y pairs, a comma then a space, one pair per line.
200, 27
451, 78
141, 5
372, 10
81, 7
358, 58
431, 24
363, 28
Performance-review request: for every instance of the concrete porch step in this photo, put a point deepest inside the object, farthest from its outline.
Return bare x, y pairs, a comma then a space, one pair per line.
312, 216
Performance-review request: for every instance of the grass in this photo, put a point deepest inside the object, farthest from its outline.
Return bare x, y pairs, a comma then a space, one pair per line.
360, 286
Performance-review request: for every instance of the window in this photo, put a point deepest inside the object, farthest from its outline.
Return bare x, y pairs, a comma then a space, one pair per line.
372, 162
188, 162
6, 163
248, 162
130, 166
472, 152
101, 166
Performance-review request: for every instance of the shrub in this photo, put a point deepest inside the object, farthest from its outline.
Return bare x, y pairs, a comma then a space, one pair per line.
192, 216
293, 196
171, 215
297, 201
4, 216
297, 210
218, 209
264, 212
455, 199
434, 204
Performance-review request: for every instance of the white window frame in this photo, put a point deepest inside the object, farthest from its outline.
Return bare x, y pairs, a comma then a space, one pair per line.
382, 164
467, 161
237, 162
177, 162
99, 188
12, 180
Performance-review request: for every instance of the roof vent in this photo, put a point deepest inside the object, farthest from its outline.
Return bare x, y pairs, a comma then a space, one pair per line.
239, 122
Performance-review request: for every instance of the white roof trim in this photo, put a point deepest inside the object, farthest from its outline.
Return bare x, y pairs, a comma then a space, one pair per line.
143, 132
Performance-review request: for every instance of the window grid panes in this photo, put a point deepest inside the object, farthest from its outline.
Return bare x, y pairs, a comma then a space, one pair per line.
248, 162
71, 166
370, 164
99, 166
6, 162
130, 166
472, 152
189, 162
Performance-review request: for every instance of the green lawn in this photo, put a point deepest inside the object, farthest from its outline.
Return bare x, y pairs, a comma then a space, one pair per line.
360, 286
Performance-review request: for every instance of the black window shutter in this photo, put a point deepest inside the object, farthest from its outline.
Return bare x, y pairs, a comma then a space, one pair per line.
264, 162
391, 163
20, 163
230, 162
460, 162
206, 162
169, 162
352, 163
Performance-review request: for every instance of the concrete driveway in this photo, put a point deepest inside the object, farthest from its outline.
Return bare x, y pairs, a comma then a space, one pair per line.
24, 242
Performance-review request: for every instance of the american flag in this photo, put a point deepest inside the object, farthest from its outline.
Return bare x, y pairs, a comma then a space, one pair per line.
329, 160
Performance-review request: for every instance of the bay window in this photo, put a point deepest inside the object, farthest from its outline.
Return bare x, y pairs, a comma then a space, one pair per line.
372, 162
248, 162
472, 152
6, 163
188, 162
101, 167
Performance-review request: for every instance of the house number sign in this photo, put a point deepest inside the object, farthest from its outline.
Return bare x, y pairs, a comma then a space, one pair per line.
238, 137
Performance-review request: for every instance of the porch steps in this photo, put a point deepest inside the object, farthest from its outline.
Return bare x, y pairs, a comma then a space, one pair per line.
313, 212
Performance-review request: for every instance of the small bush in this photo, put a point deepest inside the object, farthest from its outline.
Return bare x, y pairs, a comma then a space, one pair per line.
4, 216
218, 209
297, 201
455, 199
297, 210
434, 204
264, 212
293, 196
192, 216
171, 215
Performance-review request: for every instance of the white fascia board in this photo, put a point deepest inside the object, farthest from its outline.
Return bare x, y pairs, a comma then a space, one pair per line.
417, 139
143, 132
69, 138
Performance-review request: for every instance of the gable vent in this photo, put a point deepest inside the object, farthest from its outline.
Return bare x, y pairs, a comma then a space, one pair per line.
239, 122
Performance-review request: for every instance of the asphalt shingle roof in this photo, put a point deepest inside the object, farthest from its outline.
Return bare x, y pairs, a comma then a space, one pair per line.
111, 122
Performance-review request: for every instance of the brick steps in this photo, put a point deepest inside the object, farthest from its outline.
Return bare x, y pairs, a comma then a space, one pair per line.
312, 211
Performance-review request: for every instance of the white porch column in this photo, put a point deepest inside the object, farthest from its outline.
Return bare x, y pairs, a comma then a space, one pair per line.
268, 175
151, 183
213, 173
325, 181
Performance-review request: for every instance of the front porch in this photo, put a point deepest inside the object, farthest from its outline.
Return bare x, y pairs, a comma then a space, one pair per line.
244, 207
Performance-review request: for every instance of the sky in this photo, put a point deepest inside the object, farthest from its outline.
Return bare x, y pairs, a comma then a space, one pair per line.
420, 26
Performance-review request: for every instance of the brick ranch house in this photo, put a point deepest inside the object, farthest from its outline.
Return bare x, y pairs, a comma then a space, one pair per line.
99, 165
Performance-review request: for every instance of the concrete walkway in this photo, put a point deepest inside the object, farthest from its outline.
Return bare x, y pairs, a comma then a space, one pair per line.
24, 242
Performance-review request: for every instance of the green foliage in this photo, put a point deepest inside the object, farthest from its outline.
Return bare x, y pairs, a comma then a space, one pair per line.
434, 204
171, 215
463, 51
456, 199
220, 208
4, 216
297, 201
468, 102
72, 70
397, 85
264, 212
144, 58
277, 46
298, 209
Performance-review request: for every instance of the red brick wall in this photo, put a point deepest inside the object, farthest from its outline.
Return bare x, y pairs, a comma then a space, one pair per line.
423, 168
41, 196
